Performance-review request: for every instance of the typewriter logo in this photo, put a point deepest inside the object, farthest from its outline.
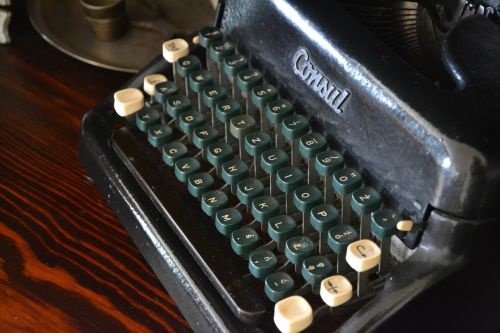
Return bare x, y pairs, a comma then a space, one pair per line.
324, 87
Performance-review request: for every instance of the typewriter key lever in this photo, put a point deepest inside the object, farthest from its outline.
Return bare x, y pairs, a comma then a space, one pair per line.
173, 50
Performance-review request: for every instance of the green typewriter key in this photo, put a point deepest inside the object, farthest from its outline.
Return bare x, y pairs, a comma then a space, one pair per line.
244, 241
293, 127
327, 162
172, 50
297, 249
177, 104
163, 91
345, 182
315, 269
278, 285
287, 180
271, 161
185, 167
233, 64
149, 83
188, 121
158, 135
249, 189
146, 118
339, 238
211, 96
255, 144
323, 218
310, 145
384, 225
233, 172
276, 111
199, 80
261, 96
261, 263
305, 198
213, 201
219, 153
204, 136
239, 127
224, 111
171, 152
200, 183
365, 201
207, 36
228, 220
280, 228
263, 208
219, 50
246, 80
185, 66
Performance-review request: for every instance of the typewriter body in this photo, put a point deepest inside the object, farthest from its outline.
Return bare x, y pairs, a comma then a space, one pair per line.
428, 150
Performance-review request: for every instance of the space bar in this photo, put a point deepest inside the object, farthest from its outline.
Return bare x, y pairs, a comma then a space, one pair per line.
210, 253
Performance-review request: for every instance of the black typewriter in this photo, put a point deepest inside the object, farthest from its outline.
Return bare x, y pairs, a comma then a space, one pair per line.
320, 166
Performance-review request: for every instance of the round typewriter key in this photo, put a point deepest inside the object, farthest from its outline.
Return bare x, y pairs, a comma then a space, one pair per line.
213, 201
278, 285
164, 90
224, 111
239, 127
199, 80
146, 118
326, 163
211, 96
173, 50
150, 81
200, 183
249, 189
188, 121
293, 127
228, 220
310, 145
219, 153
220, 49
158, 135
271, 161
365, 201
383, 226
339, 237
315, 269
305, 198
128, 101
287, 180
362, 256
261, 95
276, 111
261, 263
345, 182
255, 144
246, 80
185, 66
208, 35
171, 152
177, 104
244, 241
297, 249
233, 172
203, 136
280, 228
323, 217
263, 208
185, 167
293, 314
335, 290
232, 65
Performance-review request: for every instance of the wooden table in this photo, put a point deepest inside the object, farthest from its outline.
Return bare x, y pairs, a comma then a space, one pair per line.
66, 263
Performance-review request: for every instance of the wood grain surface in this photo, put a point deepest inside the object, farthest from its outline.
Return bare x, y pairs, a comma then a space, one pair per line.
66, 263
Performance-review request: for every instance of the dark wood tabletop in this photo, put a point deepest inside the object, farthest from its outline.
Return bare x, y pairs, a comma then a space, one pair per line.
66, 262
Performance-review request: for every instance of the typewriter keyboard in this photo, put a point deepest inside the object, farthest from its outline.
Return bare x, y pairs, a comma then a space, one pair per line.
289, 231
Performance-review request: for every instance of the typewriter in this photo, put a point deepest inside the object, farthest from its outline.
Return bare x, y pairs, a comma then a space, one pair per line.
315, 166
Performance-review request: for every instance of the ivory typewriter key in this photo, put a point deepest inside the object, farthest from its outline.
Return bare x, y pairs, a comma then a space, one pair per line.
185, 66
246, 80
339, 237
207, 36
362, 256
128, 101
261, 96
264, 208
211, 96
276, 111
224, 111
293, 314
297, 249
405, 225
305, 198
364, 202
287, 180
173, 50
149, 84
345, 182
293, 127
327, 162
233, 64
218, 50
310, 145
271, 161
335, 290
323, 217
383, 226
280, 228
255, 144
199, 80
239, 127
